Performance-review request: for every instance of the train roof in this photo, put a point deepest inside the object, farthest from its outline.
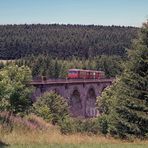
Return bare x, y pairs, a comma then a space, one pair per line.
84, 70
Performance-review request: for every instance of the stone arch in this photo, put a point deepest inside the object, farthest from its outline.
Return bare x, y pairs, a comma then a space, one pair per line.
75, 103
91, 103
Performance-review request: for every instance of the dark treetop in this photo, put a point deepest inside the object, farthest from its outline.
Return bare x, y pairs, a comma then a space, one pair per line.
64, 41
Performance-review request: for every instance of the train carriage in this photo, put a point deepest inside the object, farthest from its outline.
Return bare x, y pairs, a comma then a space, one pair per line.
85, 74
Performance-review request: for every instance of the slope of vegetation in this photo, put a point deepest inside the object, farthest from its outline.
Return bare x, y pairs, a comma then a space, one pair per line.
64, 41
126, 101
35, 132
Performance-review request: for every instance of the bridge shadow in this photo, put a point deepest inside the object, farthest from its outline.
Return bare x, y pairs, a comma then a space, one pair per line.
90, 103
75, 104
3, 145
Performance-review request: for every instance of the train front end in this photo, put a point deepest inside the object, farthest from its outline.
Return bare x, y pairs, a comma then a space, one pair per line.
73, 74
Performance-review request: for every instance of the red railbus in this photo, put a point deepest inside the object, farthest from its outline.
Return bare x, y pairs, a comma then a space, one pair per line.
85, 74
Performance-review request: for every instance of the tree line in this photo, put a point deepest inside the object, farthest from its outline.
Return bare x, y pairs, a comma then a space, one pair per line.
44, 65
64, 41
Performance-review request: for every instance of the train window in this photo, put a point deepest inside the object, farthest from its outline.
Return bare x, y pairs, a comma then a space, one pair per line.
82, 72
72, 72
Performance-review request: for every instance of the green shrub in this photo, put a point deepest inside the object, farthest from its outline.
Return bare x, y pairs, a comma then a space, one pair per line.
43, 111
103, 124
51, 106
67, 126
80, 126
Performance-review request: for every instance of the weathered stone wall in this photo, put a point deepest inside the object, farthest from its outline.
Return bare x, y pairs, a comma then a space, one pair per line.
80, 97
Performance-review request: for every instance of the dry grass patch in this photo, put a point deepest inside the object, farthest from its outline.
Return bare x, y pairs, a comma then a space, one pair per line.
33, 130
53, 135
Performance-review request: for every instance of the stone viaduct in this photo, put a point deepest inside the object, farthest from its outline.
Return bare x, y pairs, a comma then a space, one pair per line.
80, 94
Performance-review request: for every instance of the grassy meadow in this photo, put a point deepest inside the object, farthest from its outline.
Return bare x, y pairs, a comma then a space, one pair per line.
52, 137
80, 146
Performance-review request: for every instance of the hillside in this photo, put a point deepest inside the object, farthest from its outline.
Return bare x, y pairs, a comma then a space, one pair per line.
64, 41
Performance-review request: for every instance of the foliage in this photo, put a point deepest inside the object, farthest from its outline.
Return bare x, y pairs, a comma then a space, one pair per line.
130, 94
89, 126
107, 101
64, 41
22, 137
111, 65
44, 65
14, 92
67, 126
106, 104
51, 107
103, 124
42, 110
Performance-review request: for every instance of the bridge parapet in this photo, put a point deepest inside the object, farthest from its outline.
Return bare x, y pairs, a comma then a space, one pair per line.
66, 81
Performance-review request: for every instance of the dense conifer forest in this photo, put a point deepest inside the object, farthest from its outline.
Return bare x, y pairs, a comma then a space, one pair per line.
64, 41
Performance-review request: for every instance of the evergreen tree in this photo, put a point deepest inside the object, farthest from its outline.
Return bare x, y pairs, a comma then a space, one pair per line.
64, 41
56, 69
130, 114
111, 65
36, 69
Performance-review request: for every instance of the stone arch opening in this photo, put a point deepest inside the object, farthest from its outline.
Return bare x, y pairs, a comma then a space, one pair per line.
91, 103
75, 104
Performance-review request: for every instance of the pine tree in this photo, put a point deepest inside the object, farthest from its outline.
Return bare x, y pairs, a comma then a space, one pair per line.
130, 115
56, 69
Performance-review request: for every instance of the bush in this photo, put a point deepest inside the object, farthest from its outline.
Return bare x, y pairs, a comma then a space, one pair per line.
43, 111
67, 126
103, 124
80, 126
89, 126
52, 107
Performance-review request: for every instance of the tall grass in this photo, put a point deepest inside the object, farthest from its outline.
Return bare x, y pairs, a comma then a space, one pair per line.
80, 146
45, 133
52, 135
